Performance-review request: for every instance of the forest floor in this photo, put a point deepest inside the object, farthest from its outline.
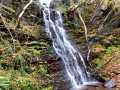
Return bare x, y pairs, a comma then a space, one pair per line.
112, 70
107, 61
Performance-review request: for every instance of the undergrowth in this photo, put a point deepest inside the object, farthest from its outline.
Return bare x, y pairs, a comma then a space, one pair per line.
22, 66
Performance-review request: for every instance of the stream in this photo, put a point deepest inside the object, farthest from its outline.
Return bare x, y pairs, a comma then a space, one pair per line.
76, 69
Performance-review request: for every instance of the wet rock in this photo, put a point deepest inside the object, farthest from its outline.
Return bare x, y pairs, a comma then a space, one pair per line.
91, 86
110, 84
52, 5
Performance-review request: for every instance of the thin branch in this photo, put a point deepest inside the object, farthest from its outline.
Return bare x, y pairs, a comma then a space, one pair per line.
8, 29
86, 36
21, 14
76, 7
79, 5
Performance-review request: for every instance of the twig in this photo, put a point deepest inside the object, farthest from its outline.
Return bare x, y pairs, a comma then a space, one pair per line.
79, 5
86, 36
21, 14
8, 30
104, 64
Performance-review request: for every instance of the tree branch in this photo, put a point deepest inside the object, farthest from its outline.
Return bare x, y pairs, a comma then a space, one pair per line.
76, 7
21, 14
86, 36
8, 29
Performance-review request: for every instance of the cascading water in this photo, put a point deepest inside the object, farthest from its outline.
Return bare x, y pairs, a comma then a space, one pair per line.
73, 60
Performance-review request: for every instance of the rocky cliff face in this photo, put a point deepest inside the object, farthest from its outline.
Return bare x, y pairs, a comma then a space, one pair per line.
106, 16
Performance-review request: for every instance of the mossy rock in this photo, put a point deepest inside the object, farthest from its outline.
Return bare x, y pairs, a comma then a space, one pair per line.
31, 30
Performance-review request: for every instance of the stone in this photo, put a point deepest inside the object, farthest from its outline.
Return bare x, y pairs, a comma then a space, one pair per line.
110, 84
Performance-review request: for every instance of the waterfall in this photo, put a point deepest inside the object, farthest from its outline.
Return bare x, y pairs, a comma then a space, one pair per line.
73, 60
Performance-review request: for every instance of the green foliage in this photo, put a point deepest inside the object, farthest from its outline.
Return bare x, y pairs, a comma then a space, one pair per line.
110, 50
68, 23
4, 82
36, 48
20, 60
33, 81
66, 3
42, 68
106, 75
48, 88
18, 72
104, 57
98, 65
9, 58
98, 60
26, 83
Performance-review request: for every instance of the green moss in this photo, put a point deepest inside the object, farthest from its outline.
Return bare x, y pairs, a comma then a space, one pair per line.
104, 56
4, 82
67, 20
17, 71
42, 69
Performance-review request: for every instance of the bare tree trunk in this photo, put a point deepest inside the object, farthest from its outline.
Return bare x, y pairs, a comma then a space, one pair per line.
8, 30
21, 14
86, 36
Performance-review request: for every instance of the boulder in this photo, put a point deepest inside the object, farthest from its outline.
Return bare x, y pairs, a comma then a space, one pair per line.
110, 84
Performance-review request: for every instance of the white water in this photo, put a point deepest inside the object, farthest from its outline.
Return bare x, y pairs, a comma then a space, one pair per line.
47, 2
76, 71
